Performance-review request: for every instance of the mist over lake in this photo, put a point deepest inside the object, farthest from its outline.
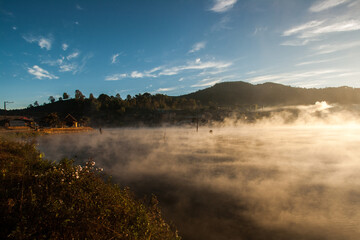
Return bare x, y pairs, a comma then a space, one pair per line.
244, 182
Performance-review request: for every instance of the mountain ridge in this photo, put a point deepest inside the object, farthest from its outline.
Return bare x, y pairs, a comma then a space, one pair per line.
269, 93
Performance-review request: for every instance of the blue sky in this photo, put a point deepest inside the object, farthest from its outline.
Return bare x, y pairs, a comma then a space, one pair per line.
173, 47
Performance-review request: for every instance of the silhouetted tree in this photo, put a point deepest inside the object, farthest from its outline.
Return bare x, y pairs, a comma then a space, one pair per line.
52, 120
91, 96
51, 99
65, 95
36, 104
79, 95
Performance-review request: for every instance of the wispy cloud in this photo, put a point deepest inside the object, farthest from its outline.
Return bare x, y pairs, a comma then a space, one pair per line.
64, 46
197, 46
69, 63
297, 42
197, 65
169, 71
326, 4
40, 73
115, 77
315, 62
206, 84
298, 76
78, 7
210, 81
221, 6
331, 48
343, 26
43, 42
73, 55
302, 27
259, 30
68, 67
166, 89
136, 74
318, 30
7, 13
114, 58
223, 24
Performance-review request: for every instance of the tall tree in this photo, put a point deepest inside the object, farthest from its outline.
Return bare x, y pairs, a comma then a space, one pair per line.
36, 104
79, 95
51, 99
91, 96
65, 95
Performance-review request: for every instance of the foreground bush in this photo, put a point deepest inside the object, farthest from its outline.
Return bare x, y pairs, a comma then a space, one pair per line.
46, 200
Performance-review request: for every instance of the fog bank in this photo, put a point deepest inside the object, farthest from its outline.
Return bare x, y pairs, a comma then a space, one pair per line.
258, 181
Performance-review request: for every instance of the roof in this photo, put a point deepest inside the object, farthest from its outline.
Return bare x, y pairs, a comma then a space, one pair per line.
12, 118
71, 118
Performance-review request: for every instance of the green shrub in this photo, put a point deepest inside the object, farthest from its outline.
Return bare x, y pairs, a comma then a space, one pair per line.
47, 200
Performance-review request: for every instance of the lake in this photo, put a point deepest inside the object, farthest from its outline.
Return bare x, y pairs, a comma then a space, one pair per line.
242, 182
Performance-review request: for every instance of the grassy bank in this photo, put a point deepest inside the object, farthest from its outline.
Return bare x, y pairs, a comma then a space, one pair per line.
41, 199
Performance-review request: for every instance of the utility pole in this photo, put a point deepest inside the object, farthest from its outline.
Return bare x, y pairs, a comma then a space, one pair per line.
5, 102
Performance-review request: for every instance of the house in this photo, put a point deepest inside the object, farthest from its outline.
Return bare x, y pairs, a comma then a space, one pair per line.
17, 122
70, 121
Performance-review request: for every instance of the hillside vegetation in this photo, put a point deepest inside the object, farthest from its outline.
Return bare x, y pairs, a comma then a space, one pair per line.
41, 199
272, 94
210, 104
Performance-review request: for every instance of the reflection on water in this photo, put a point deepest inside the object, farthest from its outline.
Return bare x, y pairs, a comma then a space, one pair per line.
235, 183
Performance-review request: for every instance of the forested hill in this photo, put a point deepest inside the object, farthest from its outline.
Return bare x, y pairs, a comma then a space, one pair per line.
269, 94
216, 101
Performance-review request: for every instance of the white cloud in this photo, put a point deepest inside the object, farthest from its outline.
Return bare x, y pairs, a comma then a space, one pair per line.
296, 76
206, 84
326, 4
113, 58
296, 42
331, 48
68, 67
319, 30
181, 79
41, 41
197, 47
221, 6
222, 24
197, 65
68, 64
40, 73
78, 7
65, 46
259, 30
166, 89
45, 43
302, 27
209, 81
14, 28
136, 74
115, 77
154, 70
72, 55
162, 71
315, 62
344, 26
